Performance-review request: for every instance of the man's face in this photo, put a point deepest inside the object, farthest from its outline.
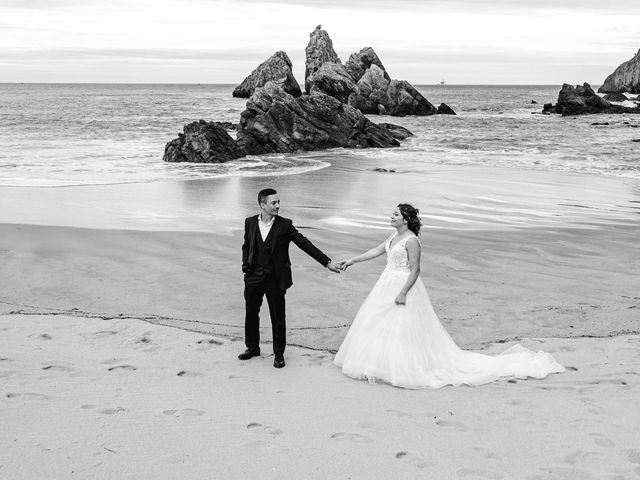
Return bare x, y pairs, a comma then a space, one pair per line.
271, 205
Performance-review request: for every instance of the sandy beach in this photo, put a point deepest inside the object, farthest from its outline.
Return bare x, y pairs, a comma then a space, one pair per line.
121, 318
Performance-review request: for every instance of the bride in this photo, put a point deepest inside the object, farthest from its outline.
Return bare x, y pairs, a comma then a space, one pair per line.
396, 336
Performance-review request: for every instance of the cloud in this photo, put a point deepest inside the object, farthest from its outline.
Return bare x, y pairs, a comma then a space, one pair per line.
225, 54
467, 6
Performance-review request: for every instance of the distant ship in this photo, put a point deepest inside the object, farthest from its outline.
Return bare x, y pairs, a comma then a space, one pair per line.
441, 82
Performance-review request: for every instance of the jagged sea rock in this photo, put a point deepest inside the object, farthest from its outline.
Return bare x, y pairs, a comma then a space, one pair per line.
379, 95
276, 68
360, 62
398, 132
404, 99
202, 142
372, 91
332, 79
275, 121
582, 99
616, 97
625, 78
318, 52
445, 109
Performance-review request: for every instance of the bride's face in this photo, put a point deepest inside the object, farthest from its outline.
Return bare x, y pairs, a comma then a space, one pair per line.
397, 219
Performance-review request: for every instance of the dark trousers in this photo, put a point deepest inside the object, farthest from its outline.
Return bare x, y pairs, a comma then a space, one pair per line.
255, 288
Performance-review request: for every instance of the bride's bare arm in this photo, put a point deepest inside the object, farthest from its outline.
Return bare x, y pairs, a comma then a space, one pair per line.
413, 252
368, 255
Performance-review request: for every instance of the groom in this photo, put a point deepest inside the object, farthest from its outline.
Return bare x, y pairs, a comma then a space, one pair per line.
267, 271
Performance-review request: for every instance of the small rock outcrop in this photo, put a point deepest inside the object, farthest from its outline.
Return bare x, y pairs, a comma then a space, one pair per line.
276, 68
615, 97
582, 99
275, 121
398, 132
202, 142
318, 52
445, 109
625, 78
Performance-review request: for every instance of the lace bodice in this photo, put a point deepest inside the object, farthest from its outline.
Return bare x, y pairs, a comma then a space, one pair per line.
397, 256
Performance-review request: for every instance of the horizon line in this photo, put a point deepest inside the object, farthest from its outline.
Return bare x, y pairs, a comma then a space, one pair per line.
235, 84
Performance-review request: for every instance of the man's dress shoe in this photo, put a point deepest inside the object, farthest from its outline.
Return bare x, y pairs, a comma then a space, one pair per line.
278, 361
249, 353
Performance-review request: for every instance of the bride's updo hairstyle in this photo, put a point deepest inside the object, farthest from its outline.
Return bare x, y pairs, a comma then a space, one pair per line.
411, 215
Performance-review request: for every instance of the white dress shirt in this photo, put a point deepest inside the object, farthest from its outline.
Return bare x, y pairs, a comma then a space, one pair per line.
265, 227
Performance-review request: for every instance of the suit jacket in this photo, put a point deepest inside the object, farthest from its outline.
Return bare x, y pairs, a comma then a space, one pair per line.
282, 233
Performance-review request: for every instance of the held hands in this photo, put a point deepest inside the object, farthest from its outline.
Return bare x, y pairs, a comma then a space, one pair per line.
335, 268
344, 264
401, 299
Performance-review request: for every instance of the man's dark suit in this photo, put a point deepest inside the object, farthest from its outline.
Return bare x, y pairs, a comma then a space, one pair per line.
267, 272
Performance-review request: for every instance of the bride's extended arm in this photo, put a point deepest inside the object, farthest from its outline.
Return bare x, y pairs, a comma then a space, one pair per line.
368, 255
413, 251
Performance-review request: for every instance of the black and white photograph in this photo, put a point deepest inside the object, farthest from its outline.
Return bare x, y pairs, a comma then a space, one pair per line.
302, 239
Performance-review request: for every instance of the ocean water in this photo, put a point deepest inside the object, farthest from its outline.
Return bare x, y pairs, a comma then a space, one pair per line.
54, 135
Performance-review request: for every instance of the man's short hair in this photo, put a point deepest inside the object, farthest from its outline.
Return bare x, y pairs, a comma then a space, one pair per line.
264, 193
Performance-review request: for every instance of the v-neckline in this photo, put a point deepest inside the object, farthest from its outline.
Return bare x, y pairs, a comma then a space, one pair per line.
391, 240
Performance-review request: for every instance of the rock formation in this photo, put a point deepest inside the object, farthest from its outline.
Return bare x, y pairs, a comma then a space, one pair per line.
625, 78
363, 82
582, 99
275, 121
318, 52
615, 97
202, 142
445, 109
360, 62
332, 79
406, 100
398, 132
276, 68
372, 91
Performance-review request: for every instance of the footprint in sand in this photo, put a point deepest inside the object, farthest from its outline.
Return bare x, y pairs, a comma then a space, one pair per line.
602, 441
582, 458
487, 453
210, 341
478, 473
264, 428
399, 413
112, 410
352, 437
104, 333
185, 412
122, 367
452, 424
633, 456
35, 396
414, 460
60, 368
187, 373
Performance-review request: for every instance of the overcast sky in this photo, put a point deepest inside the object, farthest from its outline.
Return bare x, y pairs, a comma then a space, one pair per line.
221, 41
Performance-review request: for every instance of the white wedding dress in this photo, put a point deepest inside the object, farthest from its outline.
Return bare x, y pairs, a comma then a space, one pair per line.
407, 346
